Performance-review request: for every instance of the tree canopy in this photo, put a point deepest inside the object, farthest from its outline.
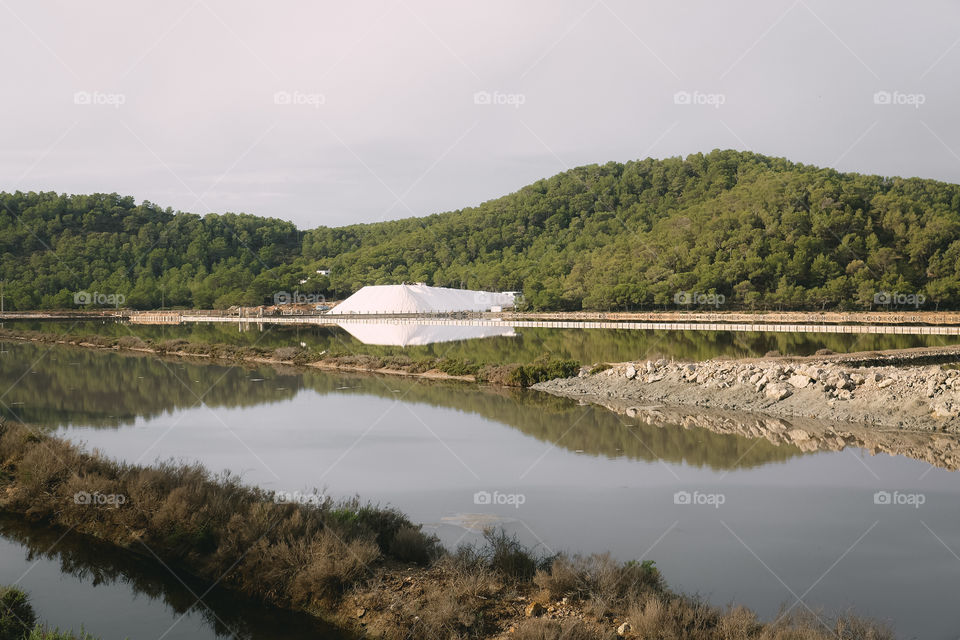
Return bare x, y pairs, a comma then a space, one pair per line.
761, 232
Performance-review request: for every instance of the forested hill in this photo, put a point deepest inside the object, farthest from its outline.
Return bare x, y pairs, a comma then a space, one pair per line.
760, 231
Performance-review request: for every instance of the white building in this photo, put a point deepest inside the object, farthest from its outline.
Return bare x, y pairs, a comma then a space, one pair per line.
419, 298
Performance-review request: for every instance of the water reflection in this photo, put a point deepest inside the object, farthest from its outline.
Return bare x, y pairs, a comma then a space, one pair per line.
103, 577
527, 344
72, 386
409, 335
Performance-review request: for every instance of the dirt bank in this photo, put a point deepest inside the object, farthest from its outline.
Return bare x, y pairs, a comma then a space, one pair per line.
922, 398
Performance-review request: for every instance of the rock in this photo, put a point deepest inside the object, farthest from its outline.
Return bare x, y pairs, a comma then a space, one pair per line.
799, 380
946, 410
777, 392
631, 372
361, 612
534, 610
844, 394
624, 629
886, 382
654, 377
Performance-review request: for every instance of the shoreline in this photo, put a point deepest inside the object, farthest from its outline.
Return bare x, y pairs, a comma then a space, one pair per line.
897, 390
900, 398
368, 570
234, 355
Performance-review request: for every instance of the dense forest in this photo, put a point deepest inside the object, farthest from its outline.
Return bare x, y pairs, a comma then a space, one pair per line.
757, 232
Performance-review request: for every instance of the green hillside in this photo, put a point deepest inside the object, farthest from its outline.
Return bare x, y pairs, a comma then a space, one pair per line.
762, 232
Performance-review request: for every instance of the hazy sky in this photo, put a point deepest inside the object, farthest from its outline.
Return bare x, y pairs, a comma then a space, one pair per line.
336, 112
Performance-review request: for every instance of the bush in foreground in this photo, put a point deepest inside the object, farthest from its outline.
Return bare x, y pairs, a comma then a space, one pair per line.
16, 615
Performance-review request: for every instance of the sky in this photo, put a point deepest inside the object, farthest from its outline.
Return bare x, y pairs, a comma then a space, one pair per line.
333, 113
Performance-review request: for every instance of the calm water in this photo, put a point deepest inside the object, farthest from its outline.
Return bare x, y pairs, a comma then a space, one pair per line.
790, 524
74, 581
524, 345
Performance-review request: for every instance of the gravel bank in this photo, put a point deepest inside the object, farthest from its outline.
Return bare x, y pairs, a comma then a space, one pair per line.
923, 398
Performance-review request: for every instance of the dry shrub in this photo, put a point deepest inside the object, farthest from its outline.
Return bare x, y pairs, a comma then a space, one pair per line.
131, 342
539, 629
501, 375
410, 544
738, 622
174, 344
421, 365
608, 584
454, 602
806, 625
674, 618
399, 362
507, 556
361, 361
286, 353
331, 566
44, 465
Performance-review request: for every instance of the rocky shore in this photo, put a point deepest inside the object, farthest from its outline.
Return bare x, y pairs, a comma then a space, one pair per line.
920, 398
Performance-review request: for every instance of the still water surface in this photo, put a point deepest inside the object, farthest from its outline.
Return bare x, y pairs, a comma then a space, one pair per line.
502, 344
790, 524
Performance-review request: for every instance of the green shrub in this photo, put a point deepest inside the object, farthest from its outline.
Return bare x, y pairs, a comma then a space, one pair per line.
457, 367
17, 618
42, 633
507, 556
541, 370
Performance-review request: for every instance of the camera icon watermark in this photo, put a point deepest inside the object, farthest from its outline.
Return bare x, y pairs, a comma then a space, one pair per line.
295, 297
299, 98
688, 298
515, 100
914, 500
699, 498
497, 498
699, 98
296, 497
899, 98
895, 298
99, 98
87, 298
99, 499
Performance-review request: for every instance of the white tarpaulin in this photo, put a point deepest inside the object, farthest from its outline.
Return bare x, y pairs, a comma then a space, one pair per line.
419, 298
408, 335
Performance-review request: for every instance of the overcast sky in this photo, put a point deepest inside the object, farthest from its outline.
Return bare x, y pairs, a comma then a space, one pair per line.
337, 112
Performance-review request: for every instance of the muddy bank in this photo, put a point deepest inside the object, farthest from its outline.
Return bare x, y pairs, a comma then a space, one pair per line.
923, 398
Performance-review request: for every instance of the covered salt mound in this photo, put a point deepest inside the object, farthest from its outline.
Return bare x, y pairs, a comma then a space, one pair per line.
419, 298
409, 335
